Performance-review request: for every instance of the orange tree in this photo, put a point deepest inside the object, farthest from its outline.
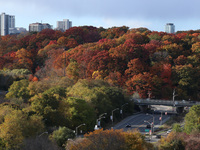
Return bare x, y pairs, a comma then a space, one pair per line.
110, 140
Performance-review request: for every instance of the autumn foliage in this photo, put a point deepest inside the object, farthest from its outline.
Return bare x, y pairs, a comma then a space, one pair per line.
137, 60
110, 140
85, 71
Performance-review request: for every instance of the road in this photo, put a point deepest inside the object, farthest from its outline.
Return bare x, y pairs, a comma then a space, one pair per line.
137, 121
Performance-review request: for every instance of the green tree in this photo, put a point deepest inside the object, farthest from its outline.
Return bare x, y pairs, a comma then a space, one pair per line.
19, 90
99, 94
57, 90
18, 125
187, 80
192, 119
43, 85
78, 112
61, 135
46, 105
73, 70
177, 127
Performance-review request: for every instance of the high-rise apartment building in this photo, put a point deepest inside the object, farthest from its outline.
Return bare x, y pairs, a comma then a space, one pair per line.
64, 25
170, 28
7, 23
37, 27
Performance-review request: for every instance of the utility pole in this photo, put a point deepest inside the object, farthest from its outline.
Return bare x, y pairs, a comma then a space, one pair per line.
174, 95
112, 114
121, 110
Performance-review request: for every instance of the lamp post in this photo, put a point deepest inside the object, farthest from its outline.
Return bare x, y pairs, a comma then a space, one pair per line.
42, 134
151, 128
102, 115
121, 111
174, 95
65, 49
112, 114
153, 122
78, 127
99, 119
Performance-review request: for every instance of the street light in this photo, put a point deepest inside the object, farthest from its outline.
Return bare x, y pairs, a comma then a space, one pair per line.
153, 121
99, 120
151, 128
102, 115
78, 127
42, 134
112, 114
121, 111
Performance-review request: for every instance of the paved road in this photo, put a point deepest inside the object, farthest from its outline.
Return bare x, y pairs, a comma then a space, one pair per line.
137, 121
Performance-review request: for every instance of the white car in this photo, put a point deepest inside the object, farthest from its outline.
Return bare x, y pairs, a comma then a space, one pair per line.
169, 131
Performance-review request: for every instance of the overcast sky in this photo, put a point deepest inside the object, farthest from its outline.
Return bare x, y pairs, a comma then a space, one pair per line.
152, 14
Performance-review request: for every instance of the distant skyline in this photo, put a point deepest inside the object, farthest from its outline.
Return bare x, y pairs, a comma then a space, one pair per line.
151, 14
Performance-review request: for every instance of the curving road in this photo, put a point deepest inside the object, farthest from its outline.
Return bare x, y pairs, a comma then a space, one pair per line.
137, 121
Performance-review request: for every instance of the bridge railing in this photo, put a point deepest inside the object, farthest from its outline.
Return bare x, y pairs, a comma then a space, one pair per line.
164, 102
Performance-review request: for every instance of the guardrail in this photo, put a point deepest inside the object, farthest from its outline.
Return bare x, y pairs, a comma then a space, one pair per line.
182, 103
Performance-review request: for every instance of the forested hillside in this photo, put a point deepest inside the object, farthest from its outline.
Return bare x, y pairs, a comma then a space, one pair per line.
55, 81
137, 60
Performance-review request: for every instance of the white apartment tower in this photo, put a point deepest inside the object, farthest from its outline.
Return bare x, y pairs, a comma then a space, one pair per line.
170, 28
64, 25
37, 27
7, 23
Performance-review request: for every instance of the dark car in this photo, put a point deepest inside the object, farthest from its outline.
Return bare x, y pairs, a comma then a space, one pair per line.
128, 125
148, 126
158, 136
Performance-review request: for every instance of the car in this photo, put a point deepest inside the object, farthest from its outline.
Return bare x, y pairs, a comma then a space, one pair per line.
148, 126
169, 131
128, 125
158, 136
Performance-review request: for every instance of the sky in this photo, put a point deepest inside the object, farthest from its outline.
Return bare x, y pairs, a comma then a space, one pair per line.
151, 14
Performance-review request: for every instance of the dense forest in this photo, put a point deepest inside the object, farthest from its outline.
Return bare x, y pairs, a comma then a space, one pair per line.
137, 60
55, 81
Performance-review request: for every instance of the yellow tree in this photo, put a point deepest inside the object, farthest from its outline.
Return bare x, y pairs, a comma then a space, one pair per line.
171, 142
73, 70
17, 126
24, 59
135, 141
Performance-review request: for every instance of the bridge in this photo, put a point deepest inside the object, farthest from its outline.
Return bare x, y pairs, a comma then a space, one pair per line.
144, 103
